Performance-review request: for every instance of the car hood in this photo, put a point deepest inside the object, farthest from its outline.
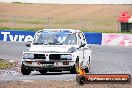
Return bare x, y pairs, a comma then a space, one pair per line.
50, 48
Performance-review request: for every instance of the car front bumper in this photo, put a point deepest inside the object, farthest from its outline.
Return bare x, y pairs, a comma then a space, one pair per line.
49, 66
67, 68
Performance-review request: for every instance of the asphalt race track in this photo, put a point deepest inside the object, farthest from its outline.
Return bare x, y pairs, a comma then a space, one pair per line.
106, 59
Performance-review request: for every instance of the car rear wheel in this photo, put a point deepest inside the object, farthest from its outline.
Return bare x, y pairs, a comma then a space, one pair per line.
87, 70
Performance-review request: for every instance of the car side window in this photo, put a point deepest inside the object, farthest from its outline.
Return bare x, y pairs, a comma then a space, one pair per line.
83, 41
79, 40
83, 38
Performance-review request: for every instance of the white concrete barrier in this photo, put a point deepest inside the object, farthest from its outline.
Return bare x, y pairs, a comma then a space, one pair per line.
117, 39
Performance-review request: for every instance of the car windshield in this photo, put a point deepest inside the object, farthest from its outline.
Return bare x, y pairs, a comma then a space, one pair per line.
55, 38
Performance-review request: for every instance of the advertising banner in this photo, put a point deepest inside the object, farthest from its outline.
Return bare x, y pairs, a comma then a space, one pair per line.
93, 37
117, 39
13, 35
27, 36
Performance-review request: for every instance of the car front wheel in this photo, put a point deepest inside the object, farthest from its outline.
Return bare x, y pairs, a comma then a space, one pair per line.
25, 71
75, 68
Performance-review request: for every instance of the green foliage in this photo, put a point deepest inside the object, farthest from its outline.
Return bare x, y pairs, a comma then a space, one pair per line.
5, 65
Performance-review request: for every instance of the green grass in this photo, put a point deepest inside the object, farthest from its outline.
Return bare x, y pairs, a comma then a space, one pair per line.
33, 22
25, 21
105, 23
64, 22
5, 20
12, 28
39, 21
83, 30
5, 65
86, 25
99, 30
40, 28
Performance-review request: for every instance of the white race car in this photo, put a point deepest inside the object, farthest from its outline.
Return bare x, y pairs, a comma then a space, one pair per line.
56, 50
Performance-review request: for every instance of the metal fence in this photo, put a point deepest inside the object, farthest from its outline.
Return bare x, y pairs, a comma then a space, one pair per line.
35, 23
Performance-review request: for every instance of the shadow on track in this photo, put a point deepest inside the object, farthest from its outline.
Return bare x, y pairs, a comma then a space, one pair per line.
50, 73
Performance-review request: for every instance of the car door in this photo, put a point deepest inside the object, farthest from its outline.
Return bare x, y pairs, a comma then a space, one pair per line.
85, 50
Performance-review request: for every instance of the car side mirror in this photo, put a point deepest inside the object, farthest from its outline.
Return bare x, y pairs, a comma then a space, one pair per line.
82, 45
28, 45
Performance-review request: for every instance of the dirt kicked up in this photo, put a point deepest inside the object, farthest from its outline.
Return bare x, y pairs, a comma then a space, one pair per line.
58, 84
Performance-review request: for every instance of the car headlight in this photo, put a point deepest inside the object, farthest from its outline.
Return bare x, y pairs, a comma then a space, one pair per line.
28, 56
71, 50
66, 57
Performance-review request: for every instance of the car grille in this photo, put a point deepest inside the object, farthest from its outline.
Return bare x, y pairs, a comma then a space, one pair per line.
51, 56
39, 56
57, 57
54, 56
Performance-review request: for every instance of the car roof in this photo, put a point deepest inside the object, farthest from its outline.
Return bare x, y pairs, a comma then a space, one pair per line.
60, 30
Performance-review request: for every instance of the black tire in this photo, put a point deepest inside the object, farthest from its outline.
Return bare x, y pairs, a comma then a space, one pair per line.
42, 72
25, 71
75, 68
80, 80
87, 70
